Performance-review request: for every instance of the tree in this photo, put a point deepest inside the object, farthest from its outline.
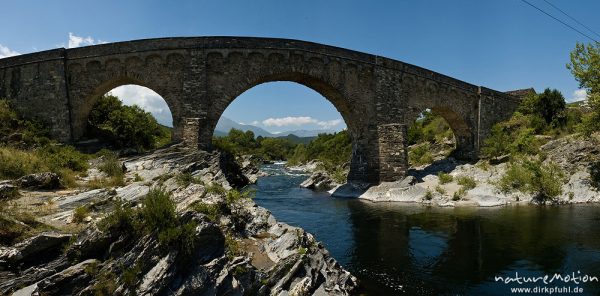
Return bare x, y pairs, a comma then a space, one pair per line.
585, 66
549, 105
124, 126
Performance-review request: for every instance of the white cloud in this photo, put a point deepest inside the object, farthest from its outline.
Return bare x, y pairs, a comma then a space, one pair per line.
578, 95
147, 99
290, 120
255, 122
301, 120
77, 41
7, 52
329, 123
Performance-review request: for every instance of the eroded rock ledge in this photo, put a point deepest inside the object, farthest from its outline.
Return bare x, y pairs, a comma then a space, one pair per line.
269, 258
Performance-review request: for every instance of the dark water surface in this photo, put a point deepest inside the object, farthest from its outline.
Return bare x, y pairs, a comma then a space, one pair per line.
403, 249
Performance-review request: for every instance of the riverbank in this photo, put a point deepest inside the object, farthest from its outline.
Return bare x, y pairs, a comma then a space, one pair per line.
448, 182
90, 240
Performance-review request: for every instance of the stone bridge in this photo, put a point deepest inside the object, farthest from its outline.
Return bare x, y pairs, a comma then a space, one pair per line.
199, 77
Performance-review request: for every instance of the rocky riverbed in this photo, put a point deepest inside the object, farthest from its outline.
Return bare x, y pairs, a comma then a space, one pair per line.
242, 251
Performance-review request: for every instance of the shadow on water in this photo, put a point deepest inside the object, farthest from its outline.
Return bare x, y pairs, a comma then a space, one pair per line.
417, 250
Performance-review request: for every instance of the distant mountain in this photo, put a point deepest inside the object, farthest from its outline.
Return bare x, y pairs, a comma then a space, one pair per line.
298, 136
306, 133
298, 140
225, 125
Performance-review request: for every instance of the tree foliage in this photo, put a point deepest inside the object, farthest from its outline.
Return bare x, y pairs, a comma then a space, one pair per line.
585, 66
125, 126
239, 142
331, 149
548, 105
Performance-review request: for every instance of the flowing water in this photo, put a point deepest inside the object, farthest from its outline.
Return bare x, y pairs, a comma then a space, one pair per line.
403, 249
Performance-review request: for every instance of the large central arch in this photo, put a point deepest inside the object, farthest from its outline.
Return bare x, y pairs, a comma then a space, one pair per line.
235, 72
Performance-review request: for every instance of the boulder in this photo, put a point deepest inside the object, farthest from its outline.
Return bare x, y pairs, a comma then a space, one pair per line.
319, 181
45, 180
8, 190
34, 248
249, 166
68, 281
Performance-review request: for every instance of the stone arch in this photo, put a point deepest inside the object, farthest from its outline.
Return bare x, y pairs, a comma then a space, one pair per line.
464, 135
330, 93
80, 112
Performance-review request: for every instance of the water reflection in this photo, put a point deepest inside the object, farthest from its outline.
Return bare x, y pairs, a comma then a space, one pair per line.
435, 250
416, 250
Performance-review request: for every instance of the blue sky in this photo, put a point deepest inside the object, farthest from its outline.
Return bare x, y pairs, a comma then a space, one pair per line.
503, 45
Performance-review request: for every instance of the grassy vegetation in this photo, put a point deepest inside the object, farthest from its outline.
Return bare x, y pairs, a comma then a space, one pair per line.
17, 223
430, 132
532, 176
156, 216
466, 182
420, 154
26, 149
539, 114
445, 178
439, 189
428, 195
186, 178
80, 213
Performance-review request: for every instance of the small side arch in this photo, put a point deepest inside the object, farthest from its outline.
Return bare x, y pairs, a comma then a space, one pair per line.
464, 134
81, 109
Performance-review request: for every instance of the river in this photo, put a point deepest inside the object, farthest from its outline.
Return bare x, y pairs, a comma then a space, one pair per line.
405, 249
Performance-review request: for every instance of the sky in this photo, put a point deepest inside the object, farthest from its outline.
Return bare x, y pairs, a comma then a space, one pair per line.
501, 44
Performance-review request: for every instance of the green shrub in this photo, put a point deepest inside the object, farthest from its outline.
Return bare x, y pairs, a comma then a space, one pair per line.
233, 247
111, 165
158, 210
64, 157
440, 190
420, 154
107, 182
458, 194
445, 178
428, 195
185, 179
215, 188
137, 178
467, 182
130, 275
234, 195
333, 150
302, 250
544, 181
548, 105
122, 218
212, 211
38, 154
15, 163
80, 213
105, 284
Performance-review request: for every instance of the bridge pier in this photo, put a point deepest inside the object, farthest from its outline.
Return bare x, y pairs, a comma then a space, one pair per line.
190, 133
392, 156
